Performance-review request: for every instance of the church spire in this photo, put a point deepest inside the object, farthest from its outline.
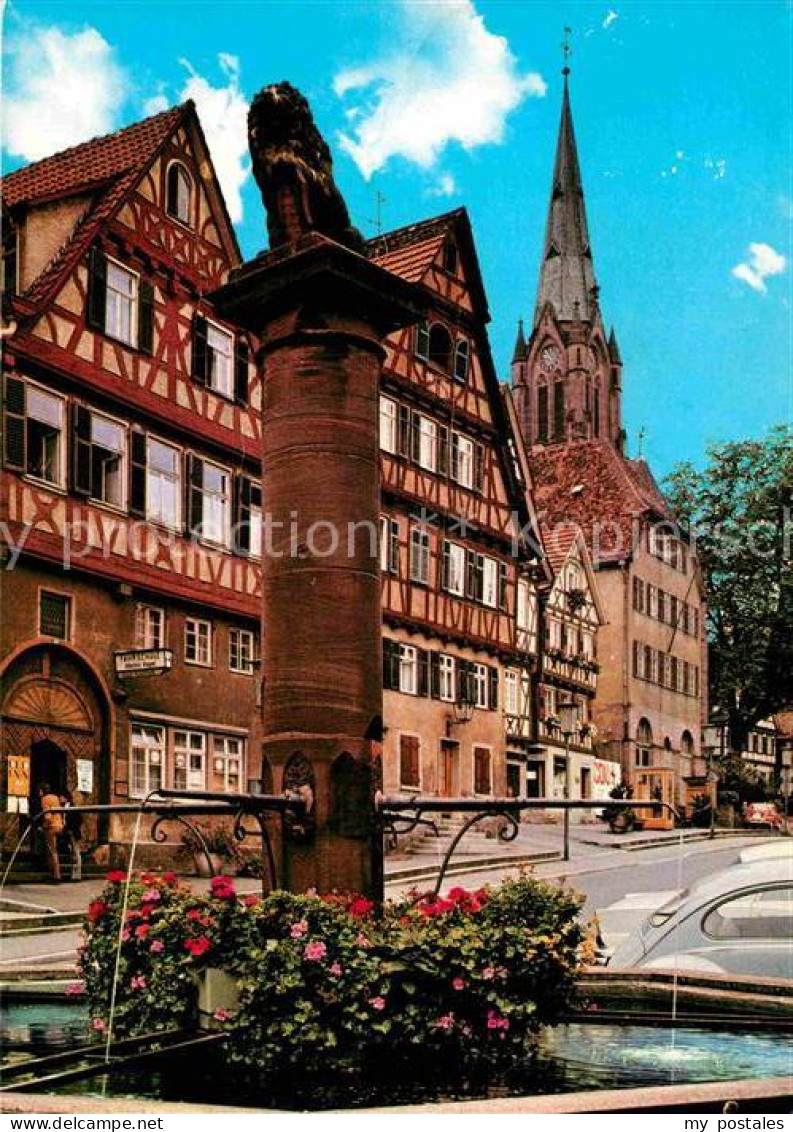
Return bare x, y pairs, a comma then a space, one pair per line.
567, 277
519, 353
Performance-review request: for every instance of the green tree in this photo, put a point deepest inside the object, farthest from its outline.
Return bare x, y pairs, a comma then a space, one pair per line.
739, 511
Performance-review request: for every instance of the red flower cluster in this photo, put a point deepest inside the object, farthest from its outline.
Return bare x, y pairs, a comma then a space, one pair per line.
357, 906
96, 910
117, 876
198, 917
223, 888
456, 898
198, 946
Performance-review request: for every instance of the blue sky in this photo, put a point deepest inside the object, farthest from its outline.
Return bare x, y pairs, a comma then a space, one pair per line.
683, 117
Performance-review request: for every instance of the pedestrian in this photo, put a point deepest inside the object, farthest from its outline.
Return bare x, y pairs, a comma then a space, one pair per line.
53, 826
73, 833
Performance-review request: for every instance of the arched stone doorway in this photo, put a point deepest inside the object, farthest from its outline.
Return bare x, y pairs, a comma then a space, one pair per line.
55, 721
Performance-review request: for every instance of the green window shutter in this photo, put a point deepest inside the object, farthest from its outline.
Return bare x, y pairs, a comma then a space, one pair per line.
443, 450
241, 370
422, 660
479, 467
403, 438
15, 430
81, 450
195, 495
241, 518
502, 586
435, 675
137, 474
146, 316
200, 352
493, 674
97, 289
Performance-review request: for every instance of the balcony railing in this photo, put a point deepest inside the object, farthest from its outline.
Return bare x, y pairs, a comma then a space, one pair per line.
576, 670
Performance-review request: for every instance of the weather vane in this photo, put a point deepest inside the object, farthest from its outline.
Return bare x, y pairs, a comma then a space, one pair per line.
567, 50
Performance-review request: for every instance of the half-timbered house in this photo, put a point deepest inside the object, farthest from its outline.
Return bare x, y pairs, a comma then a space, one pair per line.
132, 506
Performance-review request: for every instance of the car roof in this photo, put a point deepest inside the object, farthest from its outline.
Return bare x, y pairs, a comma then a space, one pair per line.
744, 875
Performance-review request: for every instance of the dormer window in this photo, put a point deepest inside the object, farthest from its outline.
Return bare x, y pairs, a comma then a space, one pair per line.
178, 192
450, 258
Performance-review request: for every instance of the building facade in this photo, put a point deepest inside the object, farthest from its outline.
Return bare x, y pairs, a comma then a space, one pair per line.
132, 506
567, 385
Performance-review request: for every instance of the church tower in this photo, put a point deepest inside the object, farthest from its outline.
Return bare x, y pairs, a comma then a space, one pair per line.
566, 378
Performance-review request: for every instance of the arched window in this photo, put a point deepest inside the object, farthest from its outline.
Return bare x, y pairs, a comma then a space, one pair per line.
179, 191
440, 346
558, 411
687, 743
596, 414
423, 341
542, 414
461, 360
644, 734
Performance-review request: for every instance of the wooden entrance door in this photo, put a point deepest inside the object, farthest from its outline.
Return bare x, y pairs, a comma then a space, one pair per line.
657, 783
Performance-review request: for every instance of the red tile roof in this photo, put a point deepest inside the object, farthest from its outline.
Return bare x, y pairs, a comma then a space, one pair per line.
92, 163
558, 541
410, 251
589, 486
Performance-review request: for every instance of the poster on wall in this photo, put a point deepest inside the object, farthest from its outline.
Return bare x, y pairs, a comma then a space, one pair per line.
85, 776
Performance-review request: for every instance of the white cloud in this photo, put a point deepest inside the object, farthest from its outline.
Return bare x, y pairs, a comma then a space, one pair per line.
223, 111
450, 80
611, 16
61, 89
445, 187
718, 167
762, 261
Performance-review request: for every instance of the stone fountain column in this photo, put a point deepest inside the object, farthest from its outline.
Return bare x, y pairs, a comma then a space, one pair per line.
321, 310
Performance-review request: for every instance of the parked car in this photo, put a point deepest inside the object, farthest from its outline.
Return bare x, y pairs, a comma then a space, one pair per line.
762, 814
778, 847
738, 921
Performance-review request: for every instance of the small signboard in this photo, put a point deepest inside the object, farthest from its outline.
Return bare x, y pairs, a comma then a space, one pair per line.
85, 776
143, 662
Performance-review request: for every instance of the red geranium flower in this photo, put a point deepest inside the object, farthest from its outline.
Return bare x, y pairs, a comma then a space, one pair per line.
223, 888
117, 876
96, 910
361, 908
142, 931
170, 878
197, 946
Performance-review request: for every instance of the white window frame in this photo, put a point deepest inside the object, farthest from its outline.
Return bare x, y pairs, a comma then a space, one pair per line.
123, 453
388, 425
186, 748
420, 555
220, 380
447, 678
147, 752
187, 180
114, 299
244, 662
68, 601
153, 474
463, 464
228, 749
408, 669
427, 443
197, 629
32, 388
480, 680
456, 558
223, 502
511, 696
490, 582
150, 627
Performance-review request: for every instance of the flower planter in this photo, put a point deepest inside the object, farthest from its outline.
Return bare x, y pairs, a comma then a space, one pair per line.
217, 996
202, 865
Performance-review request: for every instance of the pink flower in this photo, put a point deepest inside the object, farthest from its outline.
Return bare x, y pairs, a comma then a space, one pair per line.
458, 983
446, 1022
336, 969
252, 900
138, 982
315, 951
362, 941
75, 989
496, 1021
125, 935
377, 1003
98, 1024
489, 973
157, 947
223, 888
151, 896
222, 1015
298, 930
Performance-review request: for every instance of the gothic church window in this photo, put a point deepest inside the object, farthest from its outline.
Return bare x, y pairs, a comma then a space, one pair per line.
558, 411
542, 414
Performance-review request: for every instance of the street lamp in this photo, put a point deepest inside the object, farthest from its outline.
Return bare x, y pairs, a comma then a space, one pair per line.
568, 716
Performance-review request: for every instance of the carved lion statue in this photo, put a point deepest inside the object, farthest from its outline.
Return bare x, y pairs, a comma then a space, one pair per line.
294, 170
